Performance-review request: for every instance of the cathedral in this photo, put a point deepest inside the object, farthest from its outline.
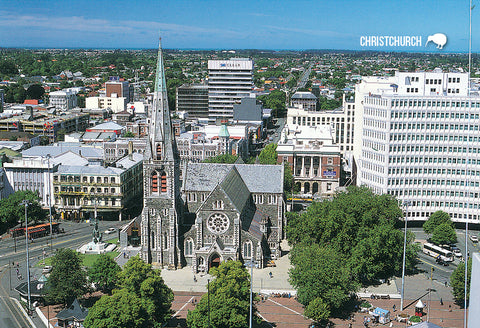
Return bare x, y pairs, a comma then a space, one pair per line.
206, 213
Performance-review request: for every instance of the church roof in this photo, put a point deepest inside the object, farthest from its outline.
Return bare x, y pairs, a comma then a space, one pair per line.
74, 311
257, 178
235, 189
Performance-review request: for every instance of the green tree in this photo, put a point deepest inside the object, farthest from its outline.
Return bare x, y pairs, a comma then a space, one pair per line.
122, 309
436, 219
276, 101
269, 154
318, 310
11, 211
225, 158
457, 281
360, 233
229, 299
35, 91
444, 234
139, 278
287, 177
8, 67
319, 273
129, 134
104, 273
67, 280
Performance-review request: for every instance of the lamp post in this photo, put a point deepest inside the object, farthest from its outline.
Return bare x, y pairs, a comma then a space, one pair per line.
49, 201
26, 203
251, 263
406, 203
208, 301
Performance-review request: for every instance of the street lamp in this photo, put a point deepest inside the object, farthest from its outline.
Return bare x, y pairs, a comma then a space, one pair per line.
406, 203
251, 263
26, 203
208, 301
49, 201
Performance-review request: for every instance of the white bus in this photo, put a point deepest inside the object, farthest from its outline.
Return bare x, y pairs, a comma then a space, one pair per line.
437, 252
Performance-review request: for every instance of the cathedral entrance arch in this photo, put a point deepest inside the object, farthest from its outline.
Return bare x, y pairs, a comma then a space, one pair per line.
214, 261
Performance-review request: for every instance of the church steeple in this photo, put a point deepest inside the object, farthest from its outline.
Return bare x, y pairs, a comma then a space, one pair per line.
162, 140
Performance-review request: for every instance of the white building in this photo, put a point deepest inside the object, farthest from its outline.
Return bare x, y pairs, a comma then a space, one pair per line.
228, 82
416, 137
340, 119
65, 99
115, 104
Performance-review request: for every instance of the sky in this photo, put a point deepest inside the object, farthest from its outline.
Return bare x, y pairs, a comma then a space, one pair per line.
228, 24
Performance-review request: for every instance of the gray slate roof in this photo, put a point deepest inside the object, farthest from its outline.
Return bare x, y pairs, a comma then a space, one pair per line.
74, 311
92, 169
54, 151
304, 95
258, 178
235, 189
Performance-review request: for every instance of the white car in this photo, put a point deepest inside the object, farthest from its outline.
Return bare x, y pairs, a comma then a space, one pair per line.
47, 269
457, 252
110, 231
474, 238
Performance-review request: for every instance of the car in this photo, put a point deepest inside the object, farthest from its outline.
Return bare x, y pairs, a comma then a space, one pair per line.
110, 231
442, 262
456, 251
474, 238
47, 269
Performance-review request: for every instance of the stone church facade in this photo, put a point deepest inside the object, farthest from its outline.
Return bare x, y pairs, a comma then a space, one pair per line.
218, 212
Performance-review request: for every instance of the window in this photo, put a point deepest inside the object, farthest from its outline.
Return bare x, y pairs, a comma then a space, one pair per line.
247, 249
189, 247
218, 205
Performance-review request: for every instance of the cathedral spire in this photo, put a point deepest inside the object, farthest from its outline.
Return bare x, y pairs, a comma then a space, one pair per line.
162, 140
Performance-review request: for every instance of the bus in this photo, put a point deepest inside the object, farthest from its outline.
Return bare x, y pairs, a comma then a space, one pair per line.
438, 252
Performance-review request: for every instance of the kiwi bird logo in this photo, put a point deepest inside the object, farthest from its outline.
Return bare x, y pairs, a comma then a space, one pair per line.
439, 39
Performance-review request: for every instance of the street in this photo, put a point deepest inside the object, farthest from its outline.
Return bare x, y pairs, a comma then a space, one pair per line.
76, 234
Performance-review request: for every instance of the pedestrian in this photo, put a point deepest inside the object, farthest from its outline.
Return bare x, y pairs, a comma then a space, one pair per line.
124, 255
194, 278
270, 274
446, 283
394, 308
450, 308
441, 301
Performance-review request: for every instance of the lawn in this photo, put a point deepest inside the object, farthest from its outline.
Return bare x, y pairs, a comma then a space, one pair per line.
88, 259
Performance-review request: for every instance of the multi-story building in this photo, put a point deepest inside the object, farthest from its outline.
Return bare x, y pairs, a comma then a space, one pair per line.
114, 103
340, 119
117, 149
314, 158
64, 99
79, 190
305, 100
116, 88
416, 138
228, 82
193, 99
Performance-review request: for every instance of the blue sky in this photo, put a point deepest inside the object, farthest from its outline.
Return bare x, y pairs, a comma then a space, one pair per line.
315, 24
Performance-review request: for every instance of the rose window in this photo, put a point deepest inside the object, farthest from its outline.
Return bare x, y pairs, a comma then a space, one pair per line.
218, 223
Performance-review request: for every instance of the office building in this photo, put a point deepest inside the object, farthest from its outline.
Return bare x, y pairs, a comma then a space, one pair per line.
193, 100
416, 138
64, 99
115, 88
228, 82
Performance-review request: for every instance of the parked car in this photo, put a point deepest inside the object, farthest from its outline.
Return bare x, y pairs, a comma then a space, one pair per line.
47, 269
474, 238
442, 262
110, 231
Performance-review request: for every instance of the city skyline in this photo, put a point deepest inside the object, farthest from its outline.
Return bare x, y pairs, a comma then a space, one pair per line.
275, 25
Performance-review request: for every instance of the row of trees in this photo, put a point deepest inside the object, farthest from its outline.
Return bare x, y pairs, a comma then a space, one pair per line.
11, 212
341, 244
135, 296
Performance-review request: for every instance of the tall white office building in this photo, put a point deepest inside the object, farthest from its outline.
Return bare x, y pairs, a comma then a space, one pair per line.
417, 138
228, 82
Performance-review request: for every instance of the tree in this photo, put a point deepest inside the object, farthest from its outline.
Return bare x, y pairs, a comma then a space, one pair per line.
122, 309
229, 299
225, 158
67, 280
276, 101
287, 177
35, 91
11, 211
436, 219
104, 273
139, 278
444, 234
318, 310
359, 231
129, 134
8, 67
457, 281
269, 154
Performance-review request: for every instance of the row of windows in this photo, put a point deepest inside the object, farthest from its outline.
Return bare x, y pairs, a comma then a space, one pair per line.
428, 182
416, 159
412, 89
85, 189
433, 81
412, 170
440, 149
432, 103
269, 199
76, 178
307, 120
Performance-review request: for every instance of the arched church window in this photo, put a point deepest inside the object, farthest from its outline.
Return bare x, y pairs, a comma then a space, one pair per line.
218, 223
154, 182
218, 205
247, 249
189, 247
159, 151
163, 179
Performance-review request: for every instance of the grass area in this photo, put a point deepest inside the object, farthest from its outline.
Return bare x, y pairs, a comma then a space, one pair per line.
88, 259
113, 241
